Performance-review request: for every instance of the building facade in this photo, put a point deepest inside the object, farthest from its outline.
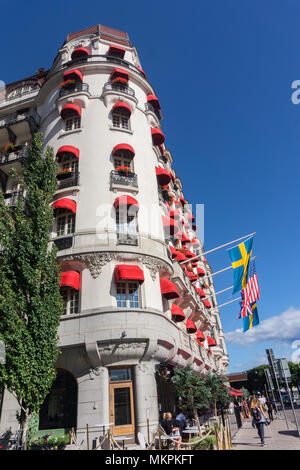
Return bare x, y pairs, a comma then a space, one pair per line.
123, 228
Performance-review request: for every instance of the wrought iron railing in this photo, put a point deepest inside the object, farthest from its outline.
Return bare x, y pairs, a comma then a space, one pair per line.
118, 87
63, 243
20, 153
13, 118
74, 89
70, 179
127, 238
148, 106
129, 179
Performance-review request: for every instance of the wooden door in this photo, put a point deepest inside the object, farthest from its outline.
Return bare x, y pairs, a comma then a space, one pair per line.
121, 408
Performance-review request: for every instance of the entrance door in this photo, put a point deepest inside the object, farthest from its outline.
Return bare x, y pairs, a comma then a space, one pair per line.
121, 408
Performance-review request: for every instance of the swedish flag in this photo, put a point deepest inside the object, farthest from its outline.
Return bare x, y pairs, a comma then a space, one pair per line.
251, 320
240, 256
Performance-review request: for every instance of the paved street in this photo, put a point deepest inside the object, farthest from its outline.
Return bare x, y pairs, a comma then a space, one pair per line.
277, 436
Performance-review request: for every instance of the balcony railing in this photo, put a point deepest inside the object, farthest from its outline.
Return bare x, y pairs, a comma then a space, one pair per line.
28, 114
118, 87
20, 153
11, 198
77, 87
127, 180
149, 107
63, 243
127, 238
70, 179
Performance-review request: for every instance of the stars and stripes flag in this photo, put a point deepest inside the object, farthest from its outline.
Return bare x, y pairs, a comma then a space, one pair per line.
251, 291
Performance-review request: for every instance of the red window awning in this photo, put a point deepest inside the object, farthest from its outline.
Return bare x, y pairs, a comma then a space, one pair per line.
200, 292
68, 149
128, 201
168, 289
175, 214
73, 74
116, 51
128, 272
200, 272
192, 276
195, 242
190, 326
124, 148
189, 254
65, 203
182, 200
163, 176
69, 110
158, 137
142, 72
206, 303
80, 52
170, 225
234, 391
70, 279
200, 336
191, 217
176, 202
185, 239
177, 313
119, 73
174, 252
210, 341
121, 105
152, 99
180, 257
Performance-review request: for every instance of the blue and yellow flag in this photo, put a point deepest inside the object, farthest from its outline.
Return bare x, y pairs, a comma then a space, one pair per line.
240, 256
251, 320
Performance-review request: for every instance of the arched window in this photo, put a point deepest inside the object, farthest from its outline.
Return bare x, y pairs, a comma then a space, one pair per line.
59, 410
70, 298
65, 222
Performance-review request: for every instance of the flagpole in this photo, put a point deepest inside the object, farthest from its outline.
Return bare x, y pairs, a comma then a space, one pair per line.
217, 248
221, 270
220, 291
226, 303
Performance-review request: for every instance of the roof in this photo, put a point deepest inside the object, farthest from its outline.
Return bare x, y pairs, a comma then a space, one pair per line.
237, 377
105, 32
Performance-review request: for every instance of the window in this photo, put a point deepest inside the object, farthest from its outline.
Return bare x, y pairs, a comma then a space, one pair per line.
20, 91
128, 295
70, 300
120, 119
72, 123
65, 222
68, 161
125, 223
122, 160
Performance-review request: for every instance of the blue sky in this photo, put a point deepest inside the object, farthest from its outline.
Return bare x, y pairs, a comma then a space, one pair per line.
223, 72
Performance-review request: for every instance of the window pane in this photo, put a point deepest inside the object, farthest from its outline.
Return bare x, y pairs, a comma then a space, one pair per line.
122, 406
120, 374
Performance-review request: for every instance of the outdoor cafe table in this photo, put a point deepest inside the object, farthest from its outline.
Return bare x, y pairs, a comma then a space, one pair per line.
190, 431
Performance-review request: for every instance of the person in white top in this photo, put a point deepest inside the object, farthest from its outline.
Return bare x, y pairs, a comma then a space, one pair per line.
262, 400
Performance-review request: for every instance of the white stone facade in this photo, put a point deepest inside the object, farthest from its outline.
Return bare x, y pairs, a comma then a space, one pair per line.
96, 334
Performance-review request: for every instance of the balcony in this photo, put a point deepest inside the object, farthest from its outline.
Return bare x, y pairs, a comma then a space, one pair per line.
10, 159
76, 88
119, 179
117, 87
63, 243
149, 107
21, 123
127, 239
11, 198
67, 180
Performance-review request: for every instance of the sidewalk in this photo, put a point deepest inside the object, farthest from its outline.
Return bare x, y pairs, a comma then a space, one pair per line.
277, 437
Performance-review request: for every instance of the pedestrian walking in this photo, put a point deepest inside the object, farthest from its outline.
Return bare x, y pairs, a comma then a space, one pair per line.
269, 406
259, 419
245, 408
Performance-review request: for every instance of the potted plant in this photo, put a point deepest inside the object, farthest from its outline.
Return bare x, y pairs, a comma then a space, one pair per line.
10, 147
123, 170
70, 83
64, 173
119, 81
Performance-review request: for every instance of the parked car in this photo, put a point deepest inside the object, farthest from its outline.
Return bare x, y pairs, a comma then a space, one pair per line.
287, 402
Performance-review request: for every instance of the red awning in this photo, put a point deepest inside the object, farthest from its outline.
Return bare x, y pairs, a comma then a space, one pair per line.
119, 73
177, 313
124, 148
234, 391
168, 289
70, 109
189, 254
200, 272
142, 72
121, 105
185, 239
65, 203
128, 272
154, 101
158, 137
126, 201
191, 217
175, 214
116, 51
163, 176
190, 326
80, 52
174, 252
68, 149
170, 224
206, 303
195, 242
192, 276
200, 292
210, 341
200, 335
182, 200
180, 257
70, 279
175, 202
73, 74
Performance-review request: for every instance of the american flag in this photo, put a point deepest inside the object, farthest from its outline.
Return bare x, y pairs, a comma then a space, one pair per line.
251, 291
245, 307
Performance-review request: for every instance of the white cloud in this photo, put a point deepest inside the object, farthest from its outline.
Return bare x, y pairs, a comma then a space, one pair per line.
284, 327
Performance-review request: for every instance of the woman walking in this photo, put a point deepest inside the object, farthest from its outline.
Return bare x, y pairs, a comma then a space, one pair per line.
259, 419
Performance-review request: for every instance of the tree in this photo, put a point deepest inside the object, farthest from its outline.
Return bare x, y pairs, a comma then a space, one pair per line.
192, 391
295, 374
30, 300
218, 392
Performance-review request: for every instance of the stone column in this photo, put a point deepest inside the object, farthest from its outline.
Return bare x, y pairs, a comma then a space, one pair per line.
146, 405
93, 404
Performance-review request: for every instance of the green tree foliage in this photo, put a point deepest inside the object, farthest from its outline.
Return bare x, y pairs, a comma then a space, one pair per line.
30, 300
219, 394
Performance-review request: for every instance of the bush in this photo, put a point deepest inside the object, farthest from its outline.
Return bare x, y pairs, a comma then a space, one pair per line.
50, 443
207, 443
